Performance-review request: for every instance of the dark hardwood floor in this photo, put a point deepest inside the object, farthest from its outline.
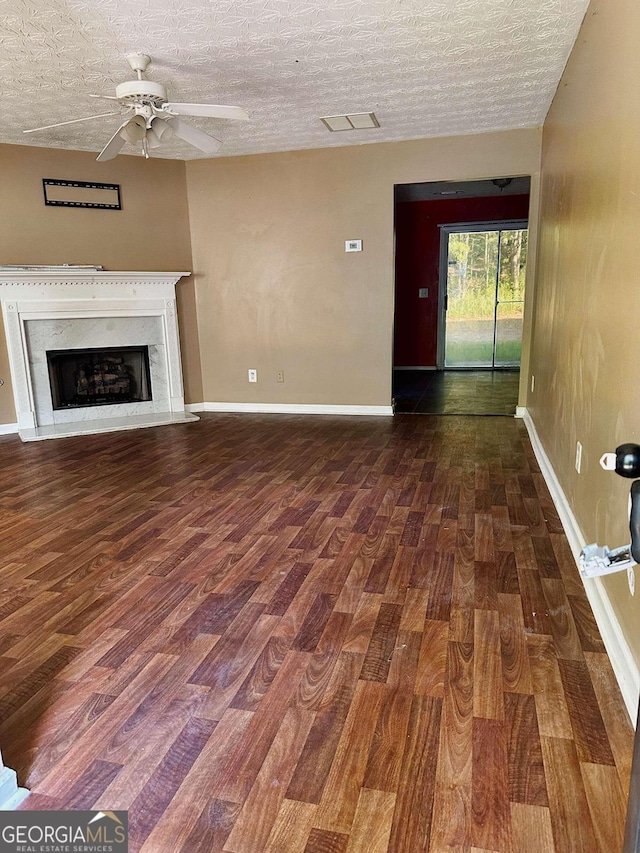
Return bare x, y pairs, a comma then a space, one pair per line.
324, 635
456, 392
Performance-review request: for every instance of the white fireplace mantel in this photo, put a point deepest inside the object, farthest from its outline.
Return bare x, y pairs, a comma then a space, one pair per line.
43, 309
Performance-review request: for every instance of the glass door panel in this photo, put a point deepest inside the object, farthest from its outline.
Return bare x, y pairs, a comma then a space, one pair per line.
471, 286
510, 299
485, 297
508, 334
513, 263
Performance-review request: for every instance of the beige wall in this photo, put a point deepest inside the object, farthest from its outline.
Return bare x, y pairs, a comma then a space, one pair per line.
585, 355
276, 290
151, 232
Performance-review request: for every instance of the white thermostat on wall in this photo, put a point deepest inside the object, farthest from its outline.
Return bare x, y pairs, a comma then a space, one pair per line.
353, 245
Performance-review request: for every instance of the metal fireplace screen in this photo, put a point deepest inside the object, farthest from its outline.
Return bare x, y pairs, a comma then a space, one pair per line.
99, 377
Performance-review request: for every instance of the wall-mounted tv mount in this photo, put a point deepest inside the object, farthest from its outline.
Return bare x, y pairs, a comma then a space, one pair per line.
81, 194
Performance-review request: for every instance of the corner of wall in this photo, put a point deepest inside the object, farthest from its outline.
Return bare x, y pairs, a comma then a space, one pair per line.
192, 352
528, 321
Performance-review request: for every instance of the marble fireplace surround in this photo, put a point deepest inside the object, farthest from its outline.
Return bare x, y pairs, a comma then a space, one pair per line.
76, 309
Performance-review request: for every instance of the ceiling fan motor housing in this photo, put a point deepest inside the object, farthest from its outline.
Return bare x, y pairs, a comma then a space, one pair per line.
144, 91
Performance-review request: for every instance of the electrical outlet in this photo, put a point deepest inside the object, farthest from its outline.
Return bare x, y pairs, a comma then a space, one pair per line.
253, 374
578, 456
280, 376
533, 382
631, 577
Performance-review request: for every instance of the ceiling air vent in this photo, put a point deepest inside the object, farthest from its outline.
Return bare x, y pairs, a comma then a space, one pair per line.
356, 121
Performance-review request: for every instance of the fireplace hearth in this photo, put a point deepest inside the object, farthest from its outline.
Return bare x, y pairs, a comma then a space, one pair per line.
99, 376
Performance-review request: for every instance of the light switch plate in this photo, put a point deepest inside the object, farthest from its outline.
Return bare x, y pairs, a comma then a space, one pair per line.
353, 245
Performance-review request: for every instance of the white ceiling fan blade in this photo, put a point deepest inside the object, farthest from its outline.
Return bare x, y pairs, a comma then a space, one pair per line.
209, 110
114, 145
194, 136
72, 121
105, 97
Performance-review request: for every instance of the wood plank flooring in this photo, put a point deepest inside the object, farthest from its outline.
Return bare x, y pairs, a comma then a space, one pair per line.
456, 392
306, 635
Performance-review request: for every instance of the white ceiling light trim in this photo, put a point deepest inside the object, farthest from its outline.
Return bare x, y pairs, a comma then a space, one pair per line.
337, 123
353, 121
361, 121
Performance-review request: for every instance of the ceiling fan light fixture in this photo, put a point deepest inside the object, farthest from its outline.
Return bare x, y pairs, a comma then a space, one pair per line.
153, 140
161, 129
134, 130
155, 119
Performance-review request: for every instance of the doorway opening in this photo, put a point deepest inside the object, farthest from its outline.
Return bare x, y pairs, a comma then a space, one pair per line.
460, 265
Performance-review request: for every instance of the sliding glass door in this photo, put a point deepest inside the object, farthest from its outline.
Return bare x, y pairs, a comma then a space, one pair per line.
482, 294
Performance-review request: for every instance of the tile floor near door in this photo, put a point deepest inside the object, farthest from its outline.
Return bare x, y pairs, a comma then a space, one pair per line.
456, 392
303, 635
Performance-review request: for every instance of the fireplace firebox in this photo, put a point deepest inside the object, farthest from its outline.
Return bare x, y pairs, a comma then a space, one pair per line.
99, 376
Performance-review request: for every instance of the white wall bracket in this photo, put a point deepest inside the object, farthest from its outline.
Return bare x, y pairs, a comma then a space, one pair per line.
598, 560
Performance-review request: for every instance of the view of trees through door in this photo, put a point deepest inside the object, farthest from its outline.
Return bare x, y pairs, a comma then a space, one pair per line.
485, 280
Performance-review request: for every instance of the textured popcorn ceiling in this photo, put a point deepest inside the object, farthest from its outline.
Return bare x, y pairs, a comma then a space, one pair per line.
426, 67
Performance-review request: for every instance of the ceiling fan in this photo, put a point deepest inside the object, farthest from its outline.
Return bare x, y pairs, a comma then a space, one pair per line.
154, 118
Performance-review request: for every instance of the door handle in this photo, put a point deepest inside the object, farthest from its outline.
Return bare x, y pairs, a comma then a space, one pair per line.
626, 463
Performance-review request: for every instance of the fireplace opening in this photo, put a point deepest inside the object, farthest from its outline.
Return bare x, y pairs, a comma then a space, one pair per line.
99, 377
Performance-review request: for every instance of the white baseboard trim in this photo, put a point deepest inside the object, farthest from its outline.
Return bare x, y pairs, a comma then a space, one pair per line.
623, 663
290, 409
8, 429
521, 411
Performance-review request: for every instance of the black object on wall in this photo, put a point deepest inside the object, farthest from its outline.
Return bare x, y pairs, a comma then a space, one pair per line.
58, 193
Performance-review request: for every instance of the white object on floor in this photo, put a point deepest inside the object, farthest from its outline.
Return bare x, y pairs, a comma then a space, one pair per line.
105, 425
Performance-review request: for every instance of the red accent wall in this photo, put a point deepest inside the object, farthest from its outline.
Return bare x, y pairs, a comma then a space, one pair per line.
417, 265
